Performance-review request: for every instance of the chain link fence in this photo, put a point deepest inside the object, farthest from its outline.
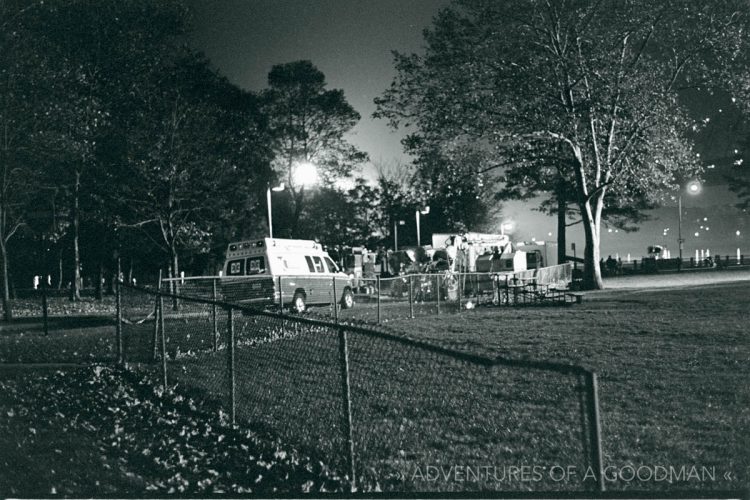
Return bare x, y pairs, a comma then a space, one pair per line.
383, 409
381, 300
52, 329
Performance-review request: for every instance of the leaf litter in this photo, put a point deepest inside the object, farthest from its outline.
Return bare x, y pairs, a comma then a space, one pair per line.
159, 441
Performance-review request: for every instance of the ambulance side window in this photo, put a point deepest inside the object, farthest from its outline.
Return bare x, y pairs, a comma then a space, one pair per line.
332, 268
256, 265
236, 268
310, 264
319, 265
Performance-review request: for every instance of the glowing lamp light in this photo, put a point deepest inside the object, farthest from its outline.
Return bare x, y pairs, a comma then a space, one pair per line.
694, 187
306, 174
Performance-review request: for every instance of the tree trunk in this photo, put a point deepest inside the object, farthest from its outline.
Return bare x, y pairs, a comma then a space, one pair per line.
592, 273
75, 291
562, 207
7, 308
60, 269
298, 205
174, 263
99, 282
175, 270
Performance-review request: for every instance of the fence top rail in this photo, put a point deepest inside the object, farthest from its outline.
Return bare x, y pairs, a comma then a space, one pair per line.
443, 273
370, 332
220, 278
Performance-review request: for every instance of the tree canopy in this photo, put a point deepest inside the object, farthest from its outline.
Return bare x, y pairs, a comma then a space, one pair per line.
308, 124
587, 91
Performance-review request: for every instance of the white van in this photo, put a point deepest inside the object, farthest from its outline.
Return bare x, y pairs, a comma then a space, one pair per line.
297, 273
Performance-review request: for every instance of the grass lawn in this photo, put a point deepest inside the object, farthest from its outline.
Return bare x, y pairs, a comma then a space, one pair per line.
672, 364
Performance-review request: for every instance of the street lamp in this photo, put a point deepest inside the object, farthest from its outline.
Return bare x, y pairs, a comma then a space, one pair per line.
278, 188
693, 187
395, 233
425, 211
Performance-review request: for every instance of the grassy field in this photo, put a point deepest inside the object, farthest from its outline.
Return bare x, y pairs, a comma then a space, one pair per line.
673, 368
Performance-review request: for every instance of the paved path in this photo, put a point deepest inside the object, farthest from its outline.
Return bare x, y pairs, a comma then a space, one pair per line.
671, 280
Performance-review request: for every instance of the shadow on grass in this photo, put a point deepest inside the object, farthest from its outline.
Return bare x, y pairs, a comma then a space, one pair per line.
36, 324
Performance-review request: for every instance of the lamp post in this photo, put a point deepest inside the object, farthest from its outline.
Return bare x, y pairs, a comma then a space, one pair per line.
395, 233
693, 187
425, 211
280, 187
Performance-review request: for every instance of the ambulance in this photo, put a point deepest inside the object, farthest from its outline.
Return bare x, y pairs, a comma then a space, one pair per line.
294, 273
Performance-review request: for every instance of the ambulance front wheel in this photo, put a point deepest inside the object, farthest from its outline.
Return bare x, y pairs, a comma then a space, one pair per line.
347, 300
298, 302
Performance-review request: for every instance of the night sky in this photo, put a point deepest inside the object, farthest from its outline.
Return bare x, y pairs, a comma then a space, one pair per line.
351, 41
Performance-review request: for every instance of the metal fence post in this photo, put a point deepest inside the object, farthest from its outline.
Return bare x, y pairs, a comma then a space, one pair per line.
438, 294
411, 296
160, 319
346, 393
45, 308
154, 339
595, 431
230, 365
460, 291
213, 316
281, 298
378, 299
334, 302
118, 327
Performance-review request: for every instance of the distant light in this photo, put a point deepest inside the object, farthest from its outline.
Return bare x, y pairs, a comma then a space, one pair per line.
533, 239
609, 230
694, 187
549, 234
696, 235
705, 218
707, 228
737, 233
